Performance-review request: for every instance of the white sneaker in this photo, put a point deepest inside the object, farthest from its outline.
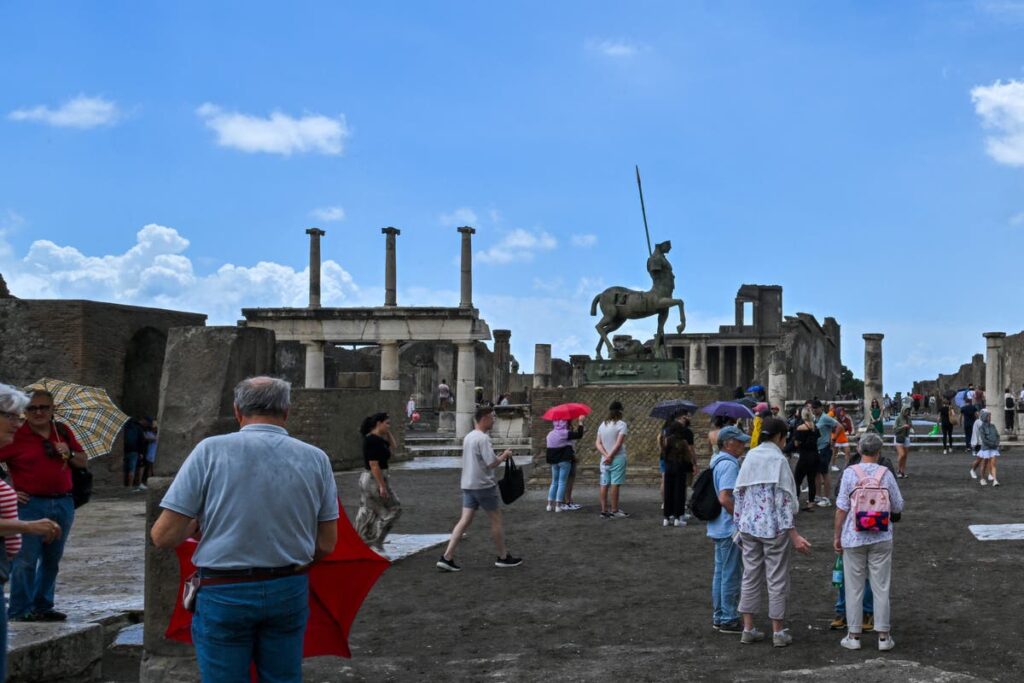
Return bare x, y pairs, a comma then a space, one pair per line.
680, 522
548, 508
666, 522
850, 643
991, 478
824, 503
944, 451
803, 489
886, 644
974, 475
995, 482
142, 487
559, 508
984, 483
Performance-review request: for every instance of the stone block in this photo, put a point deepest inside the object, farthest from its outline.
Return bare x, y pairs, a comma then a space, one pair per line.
68, 652
201, 368
162, 576
167, 669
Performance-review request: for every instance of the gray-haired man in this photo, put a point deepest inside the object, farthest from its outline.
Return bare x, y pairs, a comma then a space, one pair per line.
267, 505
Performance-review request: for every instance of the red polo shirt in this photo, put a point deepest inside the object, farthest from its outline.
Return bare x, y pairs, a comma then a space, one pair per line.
32, 470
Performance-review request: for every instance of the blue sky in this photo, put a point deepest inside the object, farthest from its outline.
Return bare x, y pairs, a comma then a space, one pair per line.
869, 157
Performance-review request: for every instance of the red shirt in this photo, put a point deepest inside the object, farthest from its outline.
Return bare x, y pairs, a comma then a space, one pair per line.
32, 470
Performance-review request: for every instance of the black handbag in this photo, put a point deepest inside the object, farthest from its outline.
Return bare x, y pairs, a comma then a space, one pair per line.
512, 485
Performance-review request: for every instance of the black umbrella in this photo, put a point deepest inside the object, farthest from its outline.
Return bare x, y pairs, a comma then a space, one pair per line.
747, 401
664, 410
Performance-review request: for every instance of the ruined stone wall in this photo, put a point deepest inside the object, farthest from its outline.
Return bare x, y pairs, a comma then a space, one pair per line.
815, 366
330, 418
969, 373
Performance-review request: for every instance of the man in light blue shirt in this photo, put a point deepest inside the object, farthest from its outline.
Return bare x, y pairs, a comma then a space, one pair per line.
826, 425
725, 584
267, 506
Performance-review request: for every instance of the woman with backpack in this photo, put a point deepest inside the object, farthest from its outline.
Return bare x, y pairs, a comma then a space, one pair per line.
986, 440
869, 497
947, 419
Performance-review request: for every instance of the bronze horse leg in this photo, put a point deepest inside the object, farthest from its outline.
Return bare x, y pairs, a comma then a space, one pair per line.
609, 323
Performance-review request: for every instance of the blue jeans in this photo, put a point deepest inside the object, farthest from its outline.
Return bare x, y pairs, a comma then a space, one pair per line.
725, 586
559, 475
34, 573
263, 622
869, 599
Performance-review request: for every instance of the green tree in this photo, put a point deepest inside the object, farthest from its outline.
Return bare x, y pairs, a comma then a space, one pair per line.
848, 384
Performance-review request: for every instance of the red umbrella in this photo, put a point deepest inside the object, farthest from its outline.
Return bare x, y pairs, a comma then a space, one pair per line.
566, 411
338, 584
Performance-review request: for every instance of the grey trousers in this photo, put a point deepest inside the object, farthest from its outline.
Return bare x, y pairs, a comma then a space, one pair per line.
376, 515
872, 561
765, 560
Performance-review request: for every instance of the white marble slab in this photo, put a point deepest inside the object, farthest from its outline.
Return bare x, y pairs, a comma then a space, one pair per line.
400, 546
446, 462
998, 532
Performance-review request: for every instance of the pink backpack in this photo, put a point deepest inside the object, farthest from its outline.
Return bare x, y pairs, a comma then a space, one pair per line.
869, 501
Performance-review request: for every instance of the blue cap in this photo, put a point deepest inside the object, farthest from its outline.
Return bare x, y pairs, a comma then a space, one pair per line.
731, 432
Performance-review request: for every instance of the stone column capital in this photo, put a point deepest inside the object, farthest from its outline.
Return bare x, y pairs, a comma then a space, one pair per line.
466, 230
994, 335
501, 335
315, 232
390, 231
873, 336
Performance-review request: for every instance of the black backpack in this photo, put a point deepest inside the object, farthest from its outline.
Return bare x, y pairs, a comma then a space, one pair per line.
704, 502
81, 477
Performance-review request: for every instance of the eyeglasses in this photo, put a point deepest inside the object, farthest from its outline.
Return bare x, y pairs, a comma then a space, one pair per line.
38, 409
13, 417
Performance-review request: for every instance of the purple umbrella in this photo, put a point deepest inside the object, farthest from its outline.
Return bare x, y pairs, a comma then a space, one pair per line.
728, 409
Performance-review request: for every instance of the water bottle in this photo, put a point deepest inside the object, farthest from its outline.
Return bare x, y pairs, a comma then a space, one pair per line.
837, 571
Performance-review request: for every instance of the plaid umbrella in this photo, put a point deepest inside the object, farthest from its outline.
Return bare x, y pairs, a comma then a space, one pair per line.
90, 413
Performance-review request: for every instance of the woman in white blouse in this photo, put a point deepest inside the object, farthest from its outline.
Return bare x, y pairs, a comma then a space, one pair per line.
765, 502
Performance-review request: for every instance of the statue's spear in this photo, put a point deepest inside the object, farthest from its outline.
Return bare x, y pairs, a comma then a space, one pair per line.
643, 210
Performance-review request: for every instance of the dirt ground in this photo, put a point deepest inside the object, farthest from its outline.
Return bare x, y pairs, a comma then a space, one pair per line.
628, 598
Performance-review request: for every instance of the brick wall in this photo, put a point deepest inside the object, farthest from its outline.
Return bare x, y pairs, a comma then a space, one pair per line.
330, 419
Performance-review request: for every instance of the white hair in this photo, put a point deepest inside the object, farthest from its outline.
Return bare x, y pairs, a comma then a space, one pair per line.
13, 399
263, 396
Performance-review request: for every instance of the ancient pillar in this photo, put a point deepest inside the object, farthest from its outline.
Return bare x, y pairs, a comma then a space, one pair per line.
502, 358
314, 266
465, 388
466, 290
778, 381
994, 379
739, 367
314, 364
389, 380
872, 371
201, 368
721, 365
579, 369
541, 366
390, 267
698, 362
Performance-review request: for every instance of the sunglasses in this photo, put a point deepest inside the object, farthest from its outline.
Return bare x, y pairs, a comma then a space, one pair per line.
38, 409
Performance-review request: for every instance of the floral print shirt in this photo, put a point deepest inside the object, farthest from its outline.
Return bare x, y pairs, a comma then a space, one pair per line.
763, 510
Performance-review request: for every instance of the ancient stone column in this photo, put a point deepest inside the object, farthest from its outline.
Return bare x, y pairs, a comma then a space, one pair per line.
721, 366
390, 267
314, 364
389, 380
466, 298
579, 368
698, 362
872, 371
739, 366
541, 366
502, 358
778, 381
994, 378
465, 388
314, 266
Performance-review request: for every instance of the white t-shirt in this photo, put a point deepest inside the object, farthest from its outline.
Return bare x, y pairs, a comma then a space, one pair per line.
410, 408
609, 433
444, 391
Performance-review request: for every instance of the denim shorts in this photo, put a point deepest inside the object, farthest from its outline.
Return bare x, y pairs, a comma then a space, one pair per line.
614, 474
474, 499
131, 462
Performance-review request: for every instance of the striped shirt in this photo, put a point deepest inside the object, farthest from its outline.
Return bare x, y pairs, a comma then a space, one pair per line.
9, 510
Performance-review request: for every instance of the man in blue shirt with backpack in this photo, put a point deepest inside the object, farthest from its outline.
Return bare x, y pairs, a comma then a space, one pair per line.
725, 585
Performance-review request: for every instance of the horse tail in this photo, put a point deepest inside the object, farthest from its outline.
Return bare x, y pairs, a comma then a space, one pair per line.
593, 305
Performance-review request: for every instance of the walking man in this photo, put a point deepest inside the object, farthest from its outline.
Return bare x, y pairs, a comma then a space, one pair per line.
267, 505
480, 490
826, 426
725, 583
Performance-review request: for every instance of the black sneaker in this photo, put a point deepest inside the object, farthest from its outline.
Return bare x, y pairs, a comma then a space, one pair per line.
731, 627
508, 561
606, 515
448, 565
28, 616
52, 615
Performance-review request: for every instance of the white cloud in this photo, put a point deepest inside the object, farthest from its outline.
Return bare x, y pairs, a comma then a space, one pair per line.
78, 112
585, 241
1008, 10
616, 49
517, 245
1017, 219
328, 214
1001, 108
458, 218
156, 272
277, 134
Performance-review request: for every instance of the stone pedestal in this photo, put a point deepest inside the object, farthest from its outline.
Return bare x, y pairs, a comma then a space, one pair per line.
994, 377
466, 270
314, 364
542, 366
314, 266
872, 371
389, 376
778, 382
390, 267
502, 360
698, 362
465, 402
201, 368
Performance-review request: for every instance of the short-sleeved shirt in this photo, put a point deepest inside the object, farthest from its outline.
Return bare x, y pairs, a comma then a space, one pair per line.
258, 494
725, 468
478, 459
825, 426
376, 448
969, 412
444, 391
609, 433
32, 470
851, 538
